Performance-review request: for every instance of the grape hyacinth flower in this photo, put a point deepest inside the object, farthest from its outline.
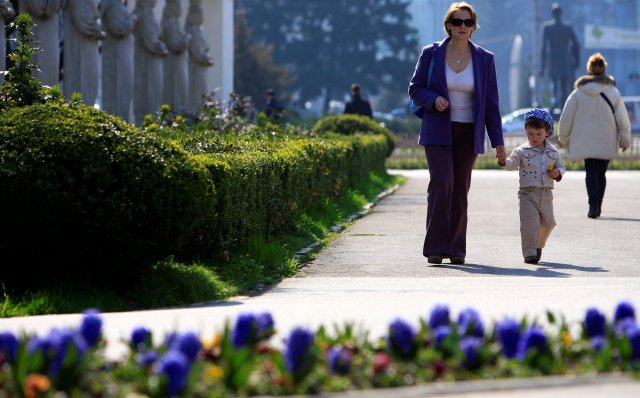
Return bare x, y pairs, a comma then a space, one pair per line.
508, 334
597, 343
141, 339
595, 323
623, 327
266, 326
245, 330
439, 317
339, 360
471, 347
401, 339
147, 358
634, 340
297, 354
440, 335
470, 324
62, 344
189, 344
174, 365
91, 327
623, 311
534, 338
8, 347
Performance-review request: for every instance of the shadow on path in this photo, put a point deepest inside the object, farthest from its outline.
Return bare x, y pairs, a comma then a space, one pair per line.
499, 271
571, 266
618, 219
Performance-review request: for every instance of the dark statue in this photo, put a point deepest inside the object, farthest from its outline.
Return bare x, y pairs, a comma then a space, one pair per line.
560, 55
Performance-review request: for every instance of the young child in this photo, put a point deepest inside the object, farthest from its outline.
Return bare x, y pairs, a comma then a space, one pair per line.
539, 164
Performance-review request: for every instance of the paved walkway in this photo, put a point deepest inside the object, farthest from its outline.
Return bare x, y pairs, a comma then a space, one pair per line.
375, 271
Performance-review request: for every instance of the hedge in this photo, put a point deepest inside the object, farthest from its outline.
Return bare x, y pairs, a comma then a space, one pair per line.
82, 191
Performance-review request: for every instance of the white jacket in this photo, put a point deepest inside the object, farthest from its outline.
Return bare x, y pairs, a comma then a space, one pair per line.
587, 124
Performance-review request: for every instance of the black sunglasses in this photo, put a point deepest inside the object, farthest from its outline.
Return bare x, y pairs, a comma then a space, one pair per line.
467, 22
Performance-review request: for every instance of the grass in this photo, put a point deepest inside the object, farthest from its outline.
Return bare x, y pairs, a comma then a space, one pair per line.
262, 261
413, 158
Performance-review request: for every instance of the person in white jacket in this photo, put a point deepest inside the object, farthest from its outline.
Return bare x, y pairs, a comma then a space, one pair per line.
593, 125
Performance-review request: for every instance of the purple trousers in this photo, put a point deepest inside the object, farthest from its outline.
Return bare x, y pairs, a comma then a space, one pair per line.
450, 169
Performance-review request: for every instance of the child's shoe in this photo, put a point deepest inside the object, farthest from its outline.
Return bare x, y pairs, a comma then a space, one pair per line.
531, 260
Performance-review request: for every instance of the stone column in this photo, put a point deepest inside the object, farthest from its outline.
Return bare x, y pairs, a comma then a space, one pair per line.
218, 31
175, 64
149, 52
44, 14
117, 58
6, 13
200, 59
81, 34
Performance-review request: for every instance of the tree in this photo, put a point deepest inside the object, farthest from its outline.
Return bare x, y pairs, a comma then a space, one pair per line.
254, 69
331, 44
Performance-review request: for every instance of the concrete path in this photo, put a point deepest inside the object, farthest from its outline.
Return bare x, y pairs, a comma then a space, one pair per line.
375, 271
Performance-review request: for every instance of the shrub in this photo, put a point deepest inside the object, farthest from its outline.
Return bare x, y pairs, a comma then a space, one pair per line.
83, 191
353, 124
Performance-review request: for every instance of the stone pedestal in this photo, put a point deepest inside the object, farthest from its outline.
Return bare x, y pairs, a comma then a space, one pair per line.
45, 16
117, 58
81, 59
149, 53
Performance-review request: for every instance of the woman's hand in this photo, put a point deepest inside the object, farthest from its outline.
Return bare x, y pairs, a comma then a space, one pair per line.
441, 103
501, 154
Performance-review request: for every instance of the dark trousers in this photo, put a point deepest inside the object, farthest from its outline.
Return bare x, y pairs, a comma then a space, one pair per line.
596, 181
450, 179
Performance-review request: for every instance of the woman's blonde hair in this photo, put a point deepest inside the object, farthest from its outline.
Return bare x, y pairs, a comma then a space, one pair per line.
596, 65
454, 7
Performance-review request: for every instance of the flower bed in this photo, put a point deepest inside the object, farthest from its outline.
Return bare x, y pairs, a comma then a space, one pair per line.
240, 359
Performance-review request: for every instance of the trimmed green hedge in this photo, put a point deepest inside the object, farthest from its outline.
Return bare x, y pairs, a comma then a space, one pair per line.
352, 124
263, 191
83, 191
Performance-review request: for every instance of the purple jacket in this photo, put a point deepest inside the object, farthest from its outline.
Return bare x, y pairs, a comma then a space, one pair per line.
436, 126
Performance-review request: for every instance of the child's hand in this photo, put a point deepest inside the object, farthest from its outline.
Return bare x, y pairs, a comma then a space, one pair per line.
502, 162
555, 174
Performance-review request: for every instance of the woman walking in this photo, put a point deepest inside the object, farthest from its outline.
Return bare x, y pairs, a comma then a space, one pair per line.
455, 84
593, 124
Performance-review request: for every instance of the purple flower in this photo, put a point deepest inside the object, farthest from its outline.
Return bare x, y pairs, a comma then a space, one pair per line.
597, 343
634, 340
189, 344
339, 360
470, 324
624, 310
91, 327
65, 343
508, 333
245, 330
534, 338
440, 334
471, 347
8, 346
439, 317
265, 326
624, 326
141, 339
594, 323
297, 355
401, 339
174, 365
147, 358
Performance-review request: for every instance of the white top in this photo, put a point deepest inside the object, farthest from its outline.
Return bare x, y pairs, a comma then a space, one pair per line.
461, 93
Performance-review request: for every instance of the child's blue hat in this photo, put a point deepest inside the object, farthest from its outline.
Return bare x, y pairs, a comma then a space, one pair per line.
540, 114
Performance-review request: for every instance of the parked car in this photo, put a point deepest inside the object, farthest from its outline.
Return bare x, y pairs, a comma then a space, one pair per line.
513, 123
633, 109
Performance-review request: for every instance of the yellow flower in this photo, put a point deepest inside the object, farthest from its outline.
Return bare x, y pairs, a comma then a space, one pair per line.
566, 338
550, 166
214, 372
179, 119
